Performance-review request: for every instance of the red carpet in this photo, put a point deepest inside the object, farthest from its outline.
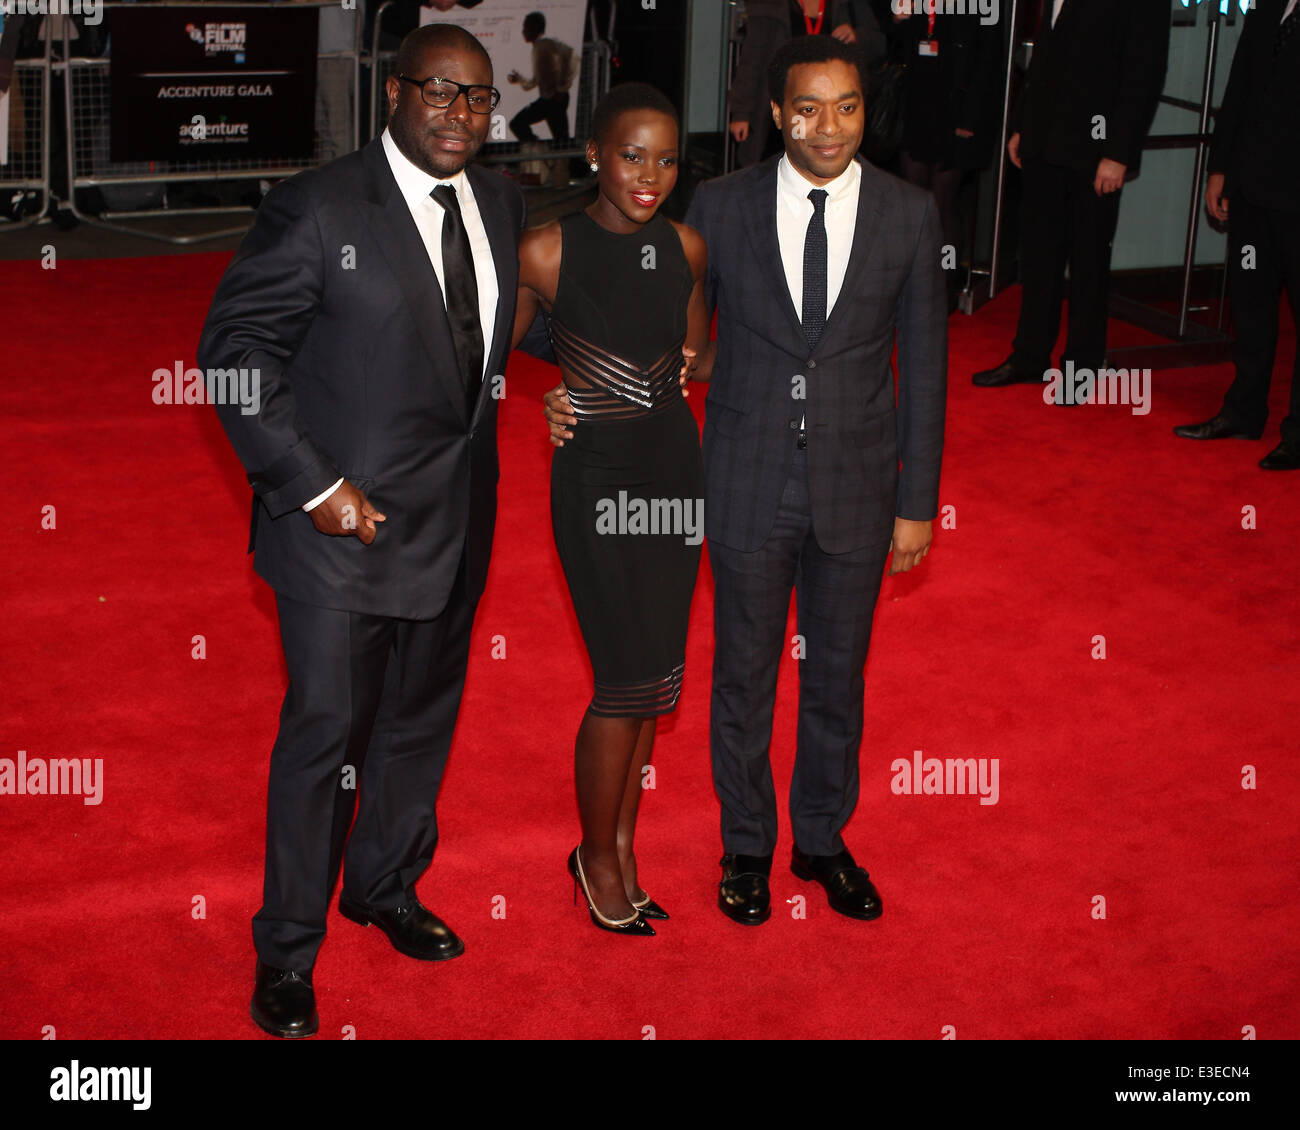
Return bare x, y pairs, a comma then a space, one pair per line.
1119, 778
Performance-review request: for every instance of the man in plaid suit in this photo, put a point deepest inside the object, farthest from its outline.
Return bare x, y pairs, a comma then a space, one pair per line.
817, 260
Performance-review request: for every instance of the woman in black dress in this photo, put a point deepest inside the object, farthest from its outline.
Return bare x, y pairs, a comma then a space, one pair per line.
622, 288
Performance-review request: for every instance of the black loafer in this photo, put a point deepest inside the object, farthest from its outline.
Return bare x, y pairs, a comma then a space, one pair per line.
413, 929
1216, 427
743, 894
1005, 374
1284, 457
284, 1003
849, 889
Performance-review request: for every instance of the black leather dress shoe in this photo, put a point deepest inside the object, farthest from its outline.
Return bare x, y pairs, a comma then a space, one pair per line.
413, 929
284, 1003
848, 888
1005, 374
1284, 457
1216, 427
743, 894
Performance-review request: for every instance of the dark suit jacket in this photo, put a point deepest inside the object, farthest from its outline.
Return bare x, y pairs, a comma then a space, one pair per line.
1257, 131
359, 379
1104, 57
856, 434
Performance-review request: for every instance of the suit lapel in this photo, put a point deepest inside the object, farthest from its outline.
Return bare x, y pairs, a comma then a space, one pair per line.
399, 239
760, 221
865, 250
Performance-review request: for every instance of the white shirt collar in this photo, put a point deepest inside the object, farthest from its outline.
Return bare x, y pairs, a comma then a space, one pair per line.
795, 187
414, 183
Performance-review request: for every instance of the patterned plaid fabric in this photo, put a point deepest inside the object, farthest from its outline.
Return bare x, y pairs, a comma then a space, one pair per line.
765, 380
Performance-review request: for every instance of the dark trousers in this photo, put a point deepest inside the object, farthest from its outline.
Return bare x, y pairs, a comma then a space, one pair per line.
370, 709
553, 111
835, 598
1062, 220
1275, 237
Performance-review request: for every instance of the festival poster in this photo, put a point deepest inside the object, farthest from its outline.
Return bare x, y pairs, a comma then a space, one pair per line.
212, 83
499, 26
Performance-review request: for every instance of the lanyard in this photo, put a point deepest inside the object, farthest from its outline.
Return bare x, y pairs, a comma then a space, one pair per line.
821, 14
929, 31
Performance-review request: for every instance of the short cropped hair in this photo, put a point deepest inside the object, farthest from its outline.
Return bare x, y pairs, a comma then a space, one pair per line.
812, 49
628, 96
434, 36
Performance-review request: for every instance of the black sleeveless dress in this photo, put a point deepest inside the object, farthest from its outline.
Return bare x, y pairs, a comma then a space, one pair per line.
627, 491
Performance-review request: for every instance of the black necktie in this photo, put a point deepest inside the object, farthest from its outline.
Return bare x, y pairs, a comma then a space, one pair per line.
814, 270
1286, 31
461, 287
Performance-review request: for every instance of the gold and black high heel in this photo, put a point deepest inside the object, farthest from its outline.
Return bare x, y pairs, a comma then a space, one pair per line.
636, 924
649, 908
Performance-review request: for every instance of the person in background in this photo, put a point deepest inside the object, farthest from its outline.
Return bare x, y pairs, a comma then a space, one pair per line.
1255, 164
950, 108
555, 66
1077, 134
768, 25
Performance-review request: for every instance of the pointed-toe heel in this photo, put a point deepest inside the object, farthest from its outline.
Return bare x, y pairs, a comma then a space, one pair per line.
650, 909
635, 926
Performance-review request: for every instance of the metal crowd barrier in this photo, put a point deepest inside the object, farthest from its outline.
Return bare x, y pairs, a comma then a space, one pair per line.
139, 190
592, 82
86, 89
28, 167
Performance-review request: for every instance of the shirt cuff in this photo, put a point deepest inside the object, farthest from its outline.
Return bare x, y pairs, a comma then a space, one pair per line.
322, 496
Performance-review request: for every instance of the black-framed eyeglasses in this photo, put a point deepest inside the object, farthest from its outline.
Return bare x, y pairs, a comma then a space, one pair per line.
442, 92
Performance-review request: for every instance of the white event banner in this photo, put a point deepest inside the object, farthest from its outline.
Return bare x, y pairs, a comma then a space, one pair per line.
499, 26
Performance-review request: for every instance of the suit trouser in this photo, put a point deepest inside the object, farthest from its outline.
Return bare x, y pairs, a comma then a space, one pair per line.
835, 599
1275, 237
1062, 220
370, 709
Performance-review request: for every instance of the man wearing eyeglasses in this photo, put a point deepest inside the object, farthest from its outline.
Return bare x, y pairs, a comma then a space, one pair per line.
375, 297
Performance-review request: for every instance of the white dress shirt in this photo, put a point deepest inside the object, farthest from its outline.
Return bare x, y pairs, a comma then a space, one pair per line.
1289, 9
794, 210
1056, 10
415, 186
